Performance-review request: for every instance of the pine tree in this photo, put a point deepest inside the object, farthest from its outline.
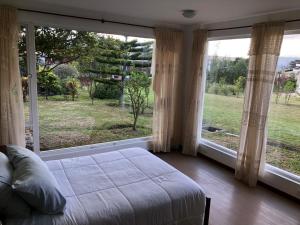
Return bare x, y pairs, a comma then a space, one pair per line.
119, 58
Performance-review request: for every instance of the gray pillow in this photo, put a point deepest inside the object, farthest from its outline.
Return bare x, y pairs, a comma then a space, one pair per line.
34, 182
11, 205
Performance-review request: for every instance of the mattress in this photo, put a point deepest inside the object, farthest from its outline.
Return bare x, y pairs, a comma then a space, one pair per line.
126, 187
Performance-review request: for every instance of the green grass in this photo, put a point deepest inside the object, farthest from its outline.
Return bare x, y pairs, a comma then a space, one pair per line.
283, 150
66, 123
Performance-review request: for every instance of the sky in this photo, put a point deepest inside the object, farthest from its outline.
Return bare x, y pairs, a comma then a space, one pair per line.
240, 47
236, 47
130, 38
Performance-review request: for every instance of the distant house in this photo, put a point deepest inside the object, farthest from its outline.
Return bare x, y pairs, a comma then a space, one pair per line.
297, 76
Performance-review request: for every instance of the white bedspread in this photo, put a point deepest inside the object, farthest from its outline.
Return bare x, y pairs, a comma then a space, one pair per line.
126, 187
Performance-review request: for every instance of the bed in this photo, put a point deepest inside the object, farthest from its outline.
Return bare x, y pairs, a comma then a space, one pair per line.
125, 187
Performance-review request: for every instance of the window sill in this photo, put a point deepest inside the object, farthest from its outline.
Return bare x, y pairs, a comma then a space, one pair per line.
84, 150
273, 176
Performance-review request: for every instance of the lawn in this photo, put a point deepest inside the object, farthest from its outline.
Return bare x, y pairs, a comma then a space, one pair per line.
64, 123
283, 148
72, 123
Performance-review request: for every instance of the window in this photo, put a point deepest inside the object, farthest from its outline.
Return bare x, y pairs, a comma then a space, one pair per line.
283, 147
83, 80
223, 100
225, 82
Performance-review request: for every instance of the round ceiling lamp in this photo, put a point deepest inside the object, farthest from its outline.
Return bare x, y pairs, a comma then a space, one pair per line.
188, 13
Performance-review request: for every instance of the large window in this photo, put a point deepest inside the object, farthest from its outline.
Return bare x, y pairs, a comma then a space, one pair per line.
87, 84
225, 83
283, 148
223, 103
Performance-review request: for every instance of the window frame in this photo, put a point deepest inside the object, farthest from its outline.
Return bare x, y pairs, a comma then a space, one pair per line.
281, 179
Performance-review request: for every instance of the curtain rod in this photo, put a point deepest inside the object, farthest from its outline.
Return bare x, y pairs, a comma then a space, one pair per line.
248, 26
132, 24
86, 18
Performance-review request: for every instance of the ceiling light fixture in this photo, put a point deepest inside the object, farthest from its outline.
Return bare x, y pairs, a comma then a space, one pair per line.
188, 13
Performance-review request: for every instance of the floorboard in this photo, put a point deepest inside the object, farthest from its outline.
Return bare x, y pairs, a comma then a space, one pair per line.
234, 203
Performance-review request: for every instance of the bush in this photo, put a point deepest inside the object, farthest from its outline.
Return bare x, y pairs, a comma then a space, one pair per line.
48, 84
231, 89
224, 90
65, 71
221, 89
71, 87
107, 90
214, 89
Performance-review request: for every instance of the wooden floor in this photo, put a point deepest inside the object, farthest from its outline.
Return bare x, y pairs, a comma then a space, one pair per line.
234, 203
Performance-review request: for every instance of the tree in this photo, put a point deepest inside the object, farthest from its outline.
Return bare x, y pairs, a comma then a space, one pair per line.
136, 87
289, 88
229, 69
56, 46
239, 85
119, 58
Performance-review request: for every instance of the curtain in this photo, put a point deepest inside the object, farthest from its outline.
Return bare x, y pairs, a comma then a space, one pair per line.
11, 104
264, 51
194, 93
167, 70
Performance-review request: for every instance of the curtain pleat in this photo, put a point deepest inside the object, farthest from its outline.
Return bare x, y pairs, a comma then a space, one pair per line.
11, 103
264, 51
167, 70
194, 93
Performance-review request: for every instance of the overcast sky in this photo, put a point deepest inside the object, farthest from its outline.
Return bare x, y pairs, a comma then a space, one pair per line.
130, 38
237, 47
240, 47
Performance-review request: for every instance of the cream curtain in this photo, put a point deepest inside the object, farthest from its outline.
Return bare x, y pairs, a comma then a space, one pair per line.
167, 70
264, 51
194, 96
11, 104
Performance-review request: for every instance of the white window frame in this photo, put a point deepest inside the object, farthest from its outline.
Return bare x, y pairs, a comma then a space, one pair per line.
280, 179
33, 102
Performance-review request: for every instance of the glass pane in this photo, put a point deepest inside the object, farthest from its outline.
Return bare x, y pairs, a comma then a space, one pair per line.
83, 80
283, 148
25, 86
225, 82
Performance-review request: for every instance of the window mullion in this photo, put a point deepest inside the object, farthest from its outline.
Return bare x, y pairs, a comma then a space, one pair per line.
31, 65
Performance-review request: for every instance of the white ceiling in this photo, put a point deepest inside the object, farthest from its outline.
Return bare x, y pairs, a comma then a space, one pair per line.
161, 11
